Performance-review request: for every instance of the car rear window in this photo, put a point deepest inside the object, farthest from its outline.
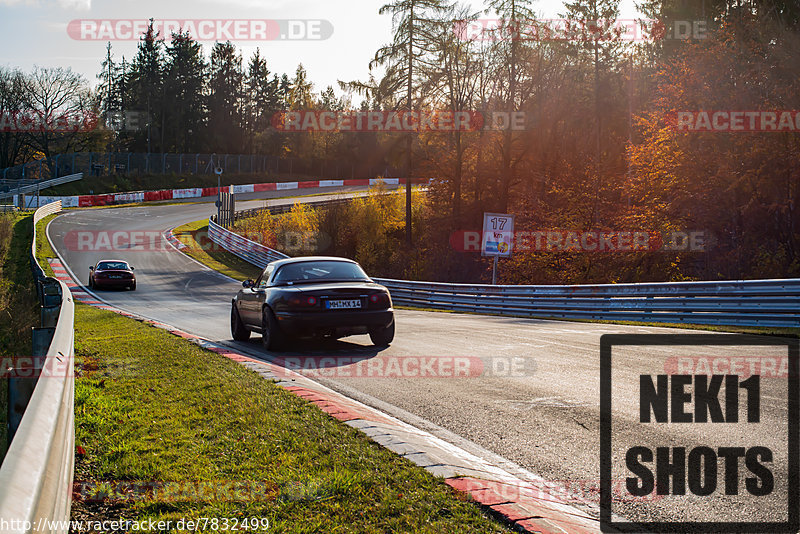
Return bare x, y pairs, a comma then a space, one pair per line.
320, 271
112, 265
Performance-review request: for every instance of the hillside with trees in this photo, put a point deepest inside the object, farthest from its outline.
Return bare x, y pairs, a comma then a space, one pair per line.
599, 150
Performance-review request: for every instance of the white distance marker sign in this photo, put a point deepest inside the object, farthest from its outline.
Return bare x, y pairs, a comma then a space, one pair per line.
498, 235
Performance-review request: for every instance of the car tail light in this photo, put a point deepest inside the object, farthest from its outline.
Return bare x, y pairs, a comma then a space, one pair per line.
379, 300
303, 302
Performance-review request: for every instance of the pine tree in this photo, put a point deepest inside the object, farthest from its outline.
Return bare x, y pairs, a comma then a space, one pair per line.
184, 89
108, 91
146, 87
263, 98
225, 99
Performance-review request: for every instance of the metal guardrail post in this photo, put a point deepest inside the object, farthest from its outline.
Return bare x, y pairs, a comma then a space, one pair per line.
50, 301
22, 379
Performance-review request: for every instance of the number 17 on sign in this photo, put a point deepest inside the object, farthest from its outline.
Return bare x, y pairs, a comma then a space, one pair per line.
498, 238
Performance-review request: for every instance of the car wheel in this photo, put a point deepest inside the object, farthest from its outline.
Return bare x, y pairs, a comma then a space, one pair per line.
382, 336
91, 284
238, 331
133, 286
271, 335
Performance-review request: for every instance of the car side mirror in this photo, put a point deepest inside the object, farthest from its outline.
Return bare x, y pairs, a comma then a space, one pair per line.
131, 266
247, 283
91, 267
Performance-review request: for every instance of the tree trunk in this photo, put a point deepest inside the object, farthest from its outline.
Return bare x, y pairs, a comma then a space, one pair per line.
408, 138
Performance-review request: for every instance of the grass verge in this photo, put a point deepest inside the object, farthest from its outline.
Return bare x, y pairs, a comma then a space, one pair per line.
154, 408
198, 246
18, 300
43, 248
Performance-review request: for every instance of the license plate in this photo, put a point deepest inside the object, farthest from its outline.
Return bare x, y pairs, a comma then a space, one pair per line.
342, 304
115, 276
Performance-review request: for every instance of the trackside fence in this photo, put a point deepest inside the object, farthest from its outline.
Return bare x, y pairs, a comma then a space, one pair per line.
138, 163
774, 303
36, 473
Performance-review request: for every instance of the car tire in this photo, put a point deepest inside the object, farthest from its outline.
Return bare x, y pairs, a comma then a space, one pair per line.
382, 336
91, 284
238, 331
132, 287
271, 336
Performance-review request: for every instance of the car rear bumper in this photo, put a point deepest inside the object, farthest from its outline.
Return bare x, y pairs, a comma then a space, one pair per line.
114, 282
339, 321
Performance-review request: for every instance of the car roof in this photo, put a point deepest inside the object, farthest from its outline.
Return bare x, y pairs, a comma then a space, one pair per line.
302, 259
112, 261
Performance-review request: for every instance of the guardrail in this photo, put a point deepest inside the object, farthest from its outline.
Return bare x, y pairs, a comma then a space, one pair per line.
250, 251
36, 474
38, 215
41, 184
286, 208
773, 303
738, 303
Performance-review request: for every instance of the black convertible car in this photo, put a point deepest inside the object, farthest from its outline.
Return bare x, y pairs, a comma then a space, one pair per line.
112, 273
312, 297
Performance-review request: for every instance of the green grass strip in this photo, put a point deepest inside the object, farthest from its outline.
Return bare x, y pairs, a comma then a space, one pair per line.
198, 246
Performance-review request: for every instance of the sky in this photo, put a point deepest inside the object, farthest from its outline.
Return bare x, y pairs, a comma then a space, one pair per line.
38, 32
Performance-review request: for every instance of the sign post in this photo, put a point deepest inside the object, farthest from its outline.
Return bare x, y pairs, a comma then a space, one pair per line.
218, 172
498, 238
